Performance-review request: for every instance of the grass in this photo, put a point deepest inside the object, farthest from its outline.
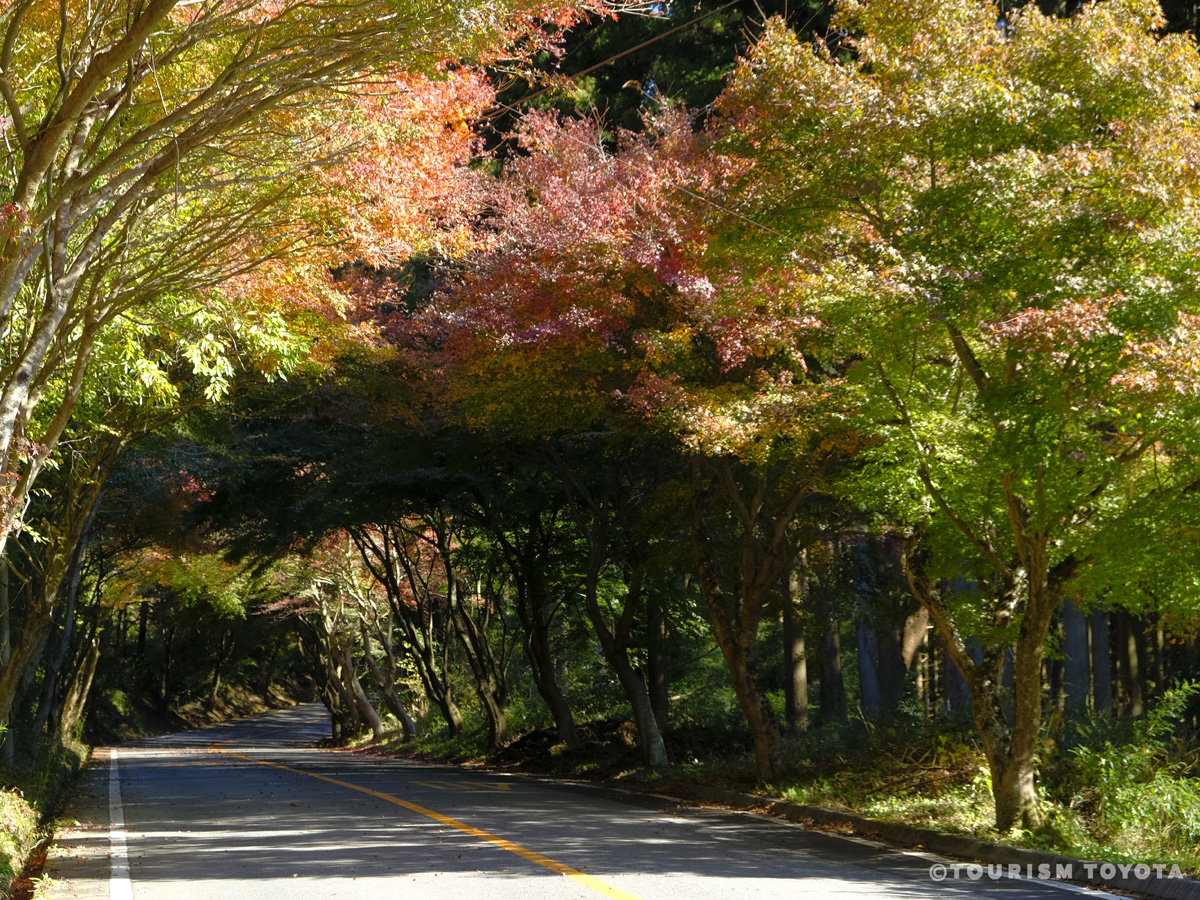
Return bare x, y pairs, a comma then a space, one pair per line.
20, 830
28, 803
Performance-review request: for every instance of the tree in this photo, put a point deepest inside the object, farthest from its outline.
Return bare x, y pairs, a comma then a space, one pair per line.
160, 153
604, 275
997, 224
158, 148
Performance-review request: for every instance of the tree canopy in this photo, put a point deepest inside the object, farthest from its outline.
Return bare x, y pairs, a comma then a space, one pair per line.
705, 353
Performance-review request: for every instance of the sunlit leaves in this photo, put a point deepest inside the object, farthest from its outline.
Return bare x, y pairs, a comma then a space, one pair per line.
1003, 221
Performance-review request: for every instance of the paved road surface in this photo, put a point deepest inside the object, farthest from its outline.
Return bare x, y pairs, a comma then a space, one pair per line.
252, 811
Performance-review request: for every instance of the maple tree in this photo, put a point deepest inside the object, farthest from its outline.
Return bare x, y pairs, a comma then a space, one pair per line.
197, 162
160, 149
996, 223
601, 304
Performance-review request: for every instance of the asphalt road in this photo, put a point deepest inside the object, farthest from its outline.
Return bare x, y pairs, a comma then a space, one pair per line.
252, 810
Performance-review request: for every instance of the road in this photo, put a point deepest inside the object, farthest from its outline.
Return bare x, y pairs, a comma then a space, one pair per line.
252, 810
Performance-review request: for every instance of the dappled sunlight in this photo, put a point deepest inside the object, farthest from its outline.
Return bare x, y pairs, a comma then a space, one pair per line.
216, 807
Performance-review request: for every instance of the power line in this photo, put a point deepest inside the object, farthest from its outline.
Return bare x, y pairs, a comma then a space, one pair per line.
634, 49
690, 193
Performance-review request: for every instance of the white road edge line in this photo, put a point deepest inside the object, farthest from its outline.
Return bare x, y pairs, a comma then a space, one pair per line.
119, 885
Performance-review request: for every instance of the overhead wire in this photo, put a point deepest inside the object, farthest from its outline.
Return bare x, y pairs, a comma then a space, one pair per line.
642, 169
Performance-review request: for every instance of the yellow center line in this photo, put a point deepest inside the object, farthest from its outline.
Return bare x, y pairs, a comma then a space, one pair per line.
525, 853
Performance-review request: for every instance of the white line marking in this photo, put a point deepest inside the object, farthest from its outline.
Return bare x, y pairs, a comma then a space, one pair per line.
119, 885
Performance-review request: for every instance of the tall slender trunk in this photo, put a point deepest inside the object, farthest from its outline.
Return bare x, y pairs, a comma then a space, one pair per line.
615, 647
597, 516
1160, 646
224, 650
268, 676
1131, 668
868, 673
1145, 666
164, 684
80, 507
958, 692
795, 656
143, 622
7, 756
5, 615
1010, 749
833, 685
423, 631
437, 689
485, 671
75, 703
1075, 661
58, 660
735, 623
658, 659
1101, 663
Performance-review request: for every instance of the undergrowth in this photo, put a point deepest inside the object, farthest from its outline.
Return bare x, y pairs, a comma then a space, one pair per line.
20, 825
30, 799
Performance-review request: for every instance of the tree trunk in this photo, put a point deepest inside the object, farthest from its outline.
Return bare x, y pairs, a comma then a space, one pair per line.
795, 656
597, 516
1075, 662
536, 643
164, 685
615, 647
1101, 664
359, 695
5, 615
56, 663
1137, 628
1160, 668
264, 685
77, 694
735, 620
7, 756
224, 650
868, 674
24, 655
833, 687
143, 619
958, 692
891, 670
1131, 681
80, 507
424, 631
71, 589
387, 688
480, 660
658, 662
1010, 749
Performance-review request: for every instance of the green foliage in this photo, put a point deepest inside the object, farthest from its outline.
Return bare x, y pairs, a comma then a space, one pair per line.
1135, 786
972, 184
